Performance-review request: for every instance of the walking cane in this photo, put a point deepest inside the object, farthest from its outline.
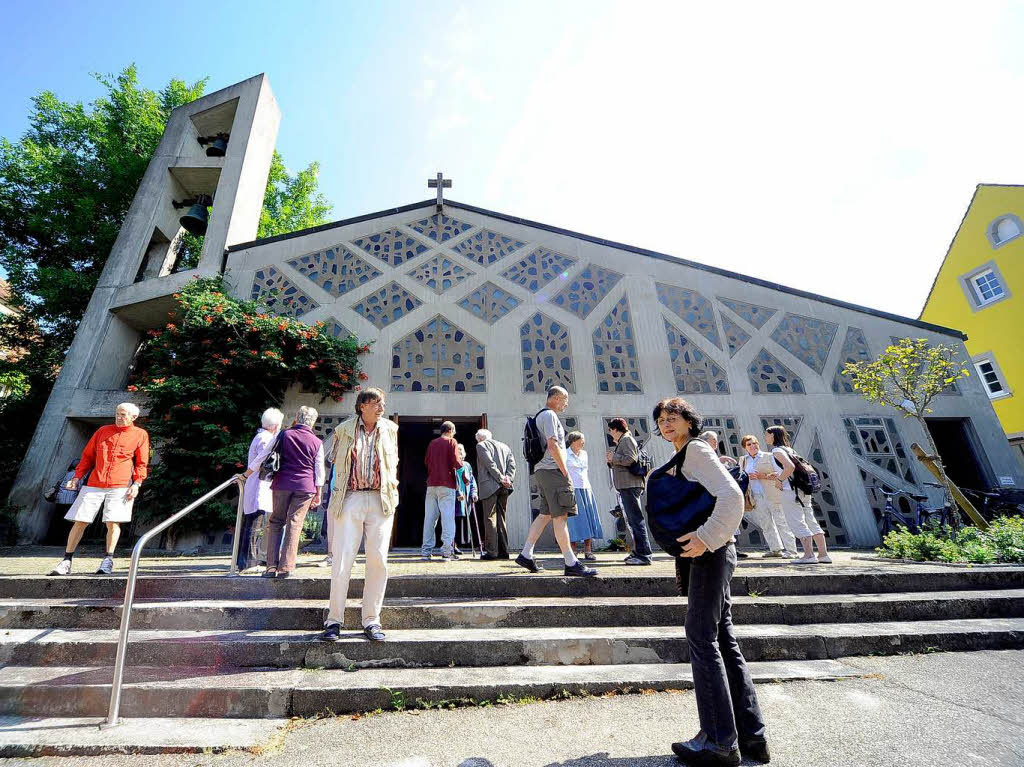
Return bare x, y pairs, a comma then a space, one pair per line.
470, 525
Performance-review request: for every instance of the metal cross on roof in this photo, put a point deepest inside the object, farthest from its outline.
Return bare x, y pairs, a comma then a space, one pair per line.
440, 183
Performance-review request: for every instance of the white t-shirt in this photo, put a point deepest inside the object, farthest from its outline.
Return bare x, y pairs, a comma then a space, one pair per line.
577, 466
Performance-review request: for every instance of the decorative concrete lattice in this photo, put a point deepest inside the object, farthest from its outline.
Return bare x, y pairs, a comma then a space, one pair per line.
695, 371
279, 295
489, 302
440, 273
336, 270
951, 390
735, 336
441, 228
692, 307
769, 376
826, 508
615, 358
637, 426
790, 422
390, 303
438, 356
878, 440
586, 290
855, 349
326, 424
728, 431
487, 247
752, 313
538, 269
546, 353
336, 329
393, 247
806, 338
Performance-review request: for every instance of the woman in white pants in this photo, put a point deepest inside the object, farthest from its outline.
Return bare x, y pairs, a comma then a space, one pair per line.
798, 510
767, 515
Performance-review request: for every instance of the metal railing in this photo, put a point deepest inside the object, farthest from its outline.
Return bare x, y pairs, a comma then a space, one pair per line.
113, 712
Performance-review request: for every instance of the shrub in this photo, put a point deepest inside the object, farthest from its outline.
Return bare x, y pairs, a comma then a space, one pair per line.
1002, 542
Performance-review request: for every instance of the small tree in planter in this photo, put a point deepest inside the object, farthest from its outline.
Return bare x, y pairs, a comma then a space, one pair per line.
908, 376
209, 374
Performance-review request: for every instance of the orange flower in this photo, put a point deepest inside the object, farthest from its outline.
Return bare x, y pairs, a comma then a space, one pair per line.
194, 408
133, 387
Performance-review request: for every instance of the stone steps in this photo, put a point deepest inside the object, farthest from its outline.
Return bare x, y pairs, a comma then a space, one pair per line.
313, 583
426, 613
463, 648
56, 691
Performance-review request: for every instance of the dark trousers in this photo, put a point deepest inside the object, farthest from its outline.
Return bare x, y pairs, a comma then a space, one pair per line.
726, 701
495, 531
635, 516
285, 528
248, 547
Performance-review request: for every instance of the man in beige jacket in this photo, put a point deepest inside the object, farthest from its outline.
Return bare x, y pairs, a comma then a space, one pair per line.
364, 451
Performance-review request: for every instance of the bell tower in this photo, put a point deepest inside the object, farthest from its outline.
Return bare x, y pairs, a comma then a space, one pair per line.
207, 179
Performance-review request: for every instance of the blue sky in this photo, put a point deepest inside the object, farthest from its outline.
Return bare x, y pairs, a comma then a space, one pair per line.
828, 147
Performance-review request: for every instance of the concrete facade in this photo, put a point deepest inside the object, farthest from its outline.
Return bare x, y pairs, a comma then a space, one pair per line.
473, 313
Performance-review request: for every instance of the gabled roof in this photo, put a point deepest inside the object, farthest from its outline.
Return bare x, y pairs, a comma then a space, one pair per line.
608, 243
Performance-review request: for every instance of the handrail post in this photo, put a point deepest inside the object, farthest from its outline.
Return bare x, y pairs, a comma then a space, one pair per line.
113, 712
236, 542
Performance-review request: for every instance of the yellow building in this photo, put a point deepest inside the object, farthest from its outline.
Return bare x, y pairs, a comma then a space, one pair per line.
979, 290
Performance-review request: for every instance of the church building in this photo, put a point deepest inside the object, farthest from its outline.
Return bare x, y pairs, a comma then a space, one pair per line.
474, 313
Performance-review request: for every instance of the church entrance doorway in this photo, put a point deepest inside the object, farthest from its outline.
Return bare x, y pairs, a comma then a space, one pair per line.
962, 456
414, 434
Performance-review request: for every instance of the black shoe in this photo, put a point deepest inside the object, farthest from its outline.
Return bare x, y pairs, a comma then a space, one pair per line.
580, 570
374, 633
270, 572
529, 564
331, 634
742, 555
697, 752
756, 751
487, 556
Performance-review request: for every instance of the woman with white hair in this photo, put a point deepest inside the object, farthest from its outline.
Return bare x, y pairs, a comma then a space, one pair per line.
258, 501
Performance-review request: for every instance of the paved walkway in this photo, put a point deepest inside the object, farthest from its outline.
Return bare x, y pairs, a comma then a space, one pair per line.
39, 560
912, 711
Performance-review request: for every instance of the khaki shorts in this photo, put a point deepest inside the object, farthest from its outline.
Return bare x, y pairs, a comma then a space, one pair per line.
116, 508
557, 498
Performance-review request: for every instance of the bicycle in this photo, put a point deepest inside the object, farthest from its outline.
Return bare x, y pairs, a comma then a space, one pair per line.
994, 504
922, 515
947, 515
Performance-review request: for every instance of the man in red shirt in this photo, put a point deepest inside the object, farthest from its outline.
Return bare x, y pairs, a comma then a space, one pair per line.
118, 457
442, 462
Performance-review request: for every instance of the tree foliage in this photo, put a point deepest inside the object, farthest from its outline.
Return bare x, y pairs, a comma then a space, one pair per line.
209, 374
65, 188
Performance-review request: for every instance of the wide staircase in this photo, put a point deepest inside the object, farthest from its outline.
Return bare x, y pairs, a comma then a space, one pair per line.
222, 647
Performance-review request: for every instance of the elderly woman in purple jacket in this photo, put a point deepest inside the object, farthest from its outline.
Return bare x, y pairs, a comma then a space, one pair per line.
257, 499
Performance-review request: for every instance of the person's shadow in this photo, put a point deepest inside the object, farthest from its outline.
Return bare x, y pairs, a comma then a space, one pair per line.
600, 759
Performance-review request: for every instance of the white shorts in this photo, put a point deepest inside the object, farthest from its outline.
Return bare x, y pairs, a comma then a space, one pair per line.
115, 507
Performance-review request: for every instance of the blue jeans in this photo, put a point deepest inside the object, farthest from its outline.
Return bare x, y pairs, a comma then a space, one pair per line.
726, 702
635, 516
440, 502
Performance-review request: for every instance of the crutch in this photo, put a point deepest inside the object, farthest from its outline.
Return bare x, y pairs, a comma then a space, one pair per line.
471, 523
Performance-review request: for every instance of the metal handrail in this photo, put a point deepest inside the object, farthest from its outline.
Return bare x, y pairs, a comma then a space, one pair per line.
113, 712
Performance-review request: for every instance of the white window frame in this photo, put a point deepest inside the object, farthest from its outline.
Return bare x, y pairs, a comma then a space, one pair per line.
993, 226
977, 287
988, 358
968, 283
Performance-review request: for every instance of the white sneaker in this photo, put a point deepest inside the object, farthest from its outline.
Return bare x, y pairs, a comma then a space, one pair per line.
786, 554
812, 560
64, 568
106, 566
824, 559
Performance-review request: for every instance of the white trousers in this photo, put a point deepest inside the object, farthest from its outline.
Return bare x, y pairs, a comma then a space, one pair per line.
799, 514
361, 514
770, 519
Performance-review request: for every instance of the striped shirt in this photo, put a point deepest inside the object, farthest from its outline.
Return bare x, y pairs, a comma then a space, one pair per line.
365, 474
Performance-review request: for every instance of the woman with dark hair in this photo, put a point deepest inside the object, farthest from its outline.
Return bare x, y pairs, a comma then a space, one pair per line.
730, 717
799, 512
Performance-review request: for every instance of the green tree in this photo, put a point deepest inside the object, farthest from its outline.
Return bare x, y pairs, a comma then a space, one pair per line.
65, 188
209, 374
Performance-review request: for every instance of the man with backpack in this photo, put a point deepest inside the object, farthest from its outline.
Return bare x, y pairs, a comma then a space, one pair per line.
544, 448
629, 474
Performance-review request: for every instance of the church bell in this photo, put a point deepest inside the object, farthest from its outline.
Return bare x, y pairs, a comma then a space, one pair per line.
197, 218
218, 147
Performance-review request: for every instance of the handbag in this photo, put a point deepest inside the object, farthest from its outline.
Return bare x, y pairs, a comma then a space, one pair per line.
272, 463
676, 506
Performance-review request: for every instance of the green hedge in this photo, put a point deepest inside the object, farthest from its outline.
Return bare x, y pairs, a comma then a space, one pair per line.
1002, 542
